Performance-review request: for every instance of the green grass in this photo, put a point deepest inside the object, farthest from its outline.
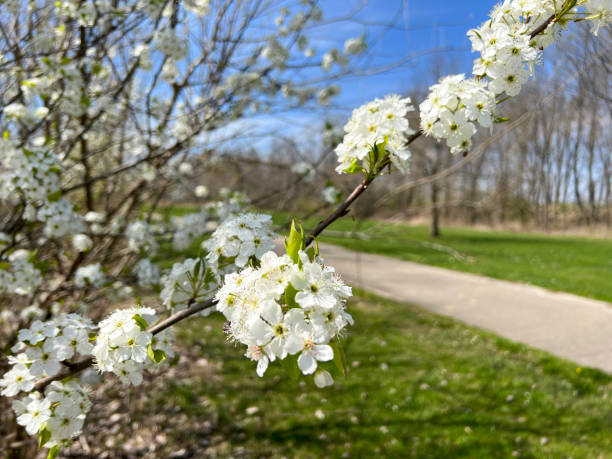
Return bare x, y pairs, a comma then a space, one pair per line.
578, 265
419, 385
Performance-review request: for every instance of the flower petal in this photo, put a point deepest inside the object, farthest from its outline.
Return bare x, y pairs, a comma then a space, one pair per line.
307, 363
323, 352
262, 366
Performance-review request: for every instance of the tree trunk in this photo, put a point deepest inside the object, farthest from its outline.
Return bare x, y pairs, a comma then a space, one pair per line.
434, 228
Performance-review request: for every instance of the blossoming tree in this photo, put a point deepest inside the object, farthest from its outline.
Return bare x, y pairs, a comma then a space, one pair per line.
103, 105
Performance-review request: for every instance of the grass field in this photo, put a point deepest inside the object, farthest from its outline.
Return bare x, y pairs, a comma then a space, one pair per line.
419, 385
572, 264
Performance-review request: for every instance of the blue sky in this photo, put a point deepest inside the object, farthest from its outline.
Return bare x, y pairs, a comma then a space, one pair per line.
423, 31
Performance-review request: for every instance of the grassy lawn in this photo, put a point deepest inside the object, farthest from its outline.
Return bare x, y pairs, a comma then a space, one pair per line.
572, 264
419, 385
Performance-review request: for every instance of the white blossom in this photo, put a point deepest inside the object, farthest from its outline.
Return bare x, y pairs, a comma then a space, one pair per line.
239, 240
201, 191
141, 237
82, 242
41, 349
69, 405
123, 343
90, 275
355, 45
283, 308
376, 122
21, 277
323, 379
35, 412
16, 380
508, 54
60, 219
331, 194
187, 229
305, 170
600, 13
452, 107
147, 272
170, 44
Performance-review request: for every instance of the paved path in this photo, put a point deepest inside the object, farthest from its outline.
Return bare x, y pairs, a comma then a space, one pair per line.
566, 325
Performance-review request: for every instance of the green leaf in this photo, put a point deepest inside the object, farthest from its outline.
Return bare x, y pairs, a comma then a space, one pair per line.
295, 242
140, 322
313, 251
290, 293
501, 119
157, 355
289, 363
44, 435
380, 150
56, 168
53, 452
196, 268
209, 277
42, 266
354, 167
339, 357
55, 196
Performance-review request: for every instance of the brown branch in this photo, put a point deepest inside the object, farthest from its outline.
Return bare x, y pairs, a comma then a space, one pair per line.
542, 27
343, 207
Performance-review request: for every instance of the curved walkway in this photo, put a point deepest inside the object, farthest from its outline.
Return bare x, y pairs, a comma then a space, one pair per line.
569, 326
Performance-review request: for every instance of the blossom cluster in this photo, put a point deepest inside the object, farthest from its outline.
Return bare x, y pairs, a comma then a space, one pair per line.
41, 349
32, 173
508, 53
170, 44
599, 12
124, 347
60, 413
453, 106
239, 240
21, 276
187, 229
82, 242
141, 237
147, 272
304, 170
331, 194
284, 309
60, 219
90, 275
230, 205
377, 122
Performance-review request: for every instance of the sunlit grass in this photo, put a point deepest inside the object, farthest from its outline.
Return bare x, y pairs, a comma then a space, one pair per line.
419, 385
